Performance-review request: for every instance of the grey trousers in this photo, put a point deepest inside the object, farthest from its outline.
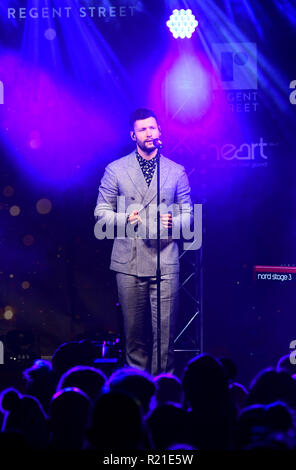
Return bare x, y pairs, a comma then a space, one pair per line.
138, 300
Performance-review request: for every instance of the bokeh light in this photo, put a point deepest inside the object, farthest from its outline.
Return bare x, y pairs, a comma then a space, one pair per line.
50, 34
8, 191
14, 211
43, 206
28, 240
8, 312
26, 285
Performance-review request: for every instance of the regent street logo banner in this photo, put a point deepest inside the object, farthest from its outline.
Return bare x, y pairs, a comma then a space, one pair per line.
64, 10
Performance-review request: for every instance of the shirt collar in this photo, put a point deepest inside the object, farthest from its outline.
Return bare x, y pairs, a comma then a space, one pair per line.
144, 160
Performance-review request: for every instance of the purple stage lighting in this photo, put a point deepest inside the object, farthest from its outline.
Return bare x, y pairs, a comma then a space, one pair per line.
54, 134
182, 23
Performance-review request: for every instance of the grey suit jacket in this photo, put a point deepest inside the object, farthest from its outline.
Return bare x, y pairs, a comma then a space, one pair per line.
124, 189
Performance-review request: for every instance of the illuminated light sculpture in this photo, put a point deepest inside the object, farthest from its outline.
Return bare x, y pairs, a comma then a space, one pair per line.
182, 24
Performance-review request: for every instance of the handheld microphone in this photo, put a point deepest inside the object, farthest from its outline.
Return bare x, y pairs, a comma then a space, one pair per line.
157, 143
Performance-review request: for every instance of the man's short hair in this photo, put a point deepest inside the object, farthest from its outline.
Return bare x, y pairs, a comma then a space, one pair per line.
141, 113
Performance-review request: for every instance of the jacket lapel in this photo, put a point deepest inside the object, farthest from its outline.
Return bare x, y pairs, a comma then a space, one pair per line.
136, 174
152, 190
137, 177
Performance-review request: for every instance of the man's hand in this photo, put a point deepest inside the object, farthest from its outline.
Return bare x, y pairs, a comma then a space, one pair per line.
134, 218
166, 220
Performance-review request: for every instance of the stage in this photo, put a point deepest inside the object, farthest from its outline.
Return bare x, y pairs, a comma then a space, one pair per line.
70, 74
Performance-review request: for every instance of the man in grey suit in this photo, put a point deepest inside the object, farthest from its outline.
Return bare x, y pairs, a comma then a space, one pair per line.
127, 203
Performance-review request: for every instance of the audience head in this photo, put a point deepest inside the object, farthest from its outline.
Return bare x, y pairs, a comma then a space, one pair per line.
73, 354
169, 425
168, 389
69, 415
239, 395
207, 393
182, 446
204, 382
117, 423
285, 363
86, 378
258, 424
24, 414
135, 382
40, 381
270, 385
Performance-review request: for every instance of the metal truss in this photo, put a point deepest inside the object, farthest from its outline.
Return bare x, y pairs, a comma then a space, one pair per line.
189, 336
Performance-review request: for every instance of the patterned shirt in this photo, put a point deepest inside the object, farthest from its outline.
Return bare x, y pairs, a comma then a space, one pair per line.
147, 167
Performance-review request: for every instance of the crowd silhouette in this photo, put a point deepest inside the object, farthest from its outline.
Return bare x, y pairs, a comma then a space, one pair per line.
70, 404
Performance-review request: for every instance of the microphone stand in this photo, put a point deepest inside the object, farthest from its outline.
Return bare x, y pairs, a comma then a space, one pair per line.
158, 272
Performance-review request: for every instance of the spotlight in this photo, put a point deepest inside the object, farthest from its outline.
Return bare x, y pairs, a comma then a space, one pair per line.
182, 23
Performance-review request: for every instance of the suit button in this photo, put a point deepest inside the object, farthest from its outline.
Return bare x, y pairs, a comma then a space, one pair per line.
163, 200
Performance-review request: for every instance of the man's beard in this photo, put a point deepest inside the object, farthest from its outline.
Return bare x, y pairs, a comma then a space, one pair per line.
145, 148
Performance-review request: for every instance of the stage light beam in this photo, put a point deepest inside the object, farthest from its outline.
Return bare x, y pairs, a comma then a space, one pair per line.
182, 24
